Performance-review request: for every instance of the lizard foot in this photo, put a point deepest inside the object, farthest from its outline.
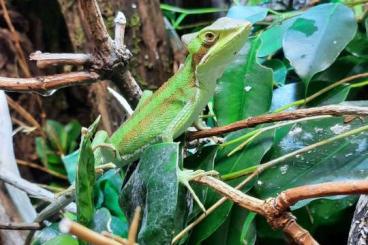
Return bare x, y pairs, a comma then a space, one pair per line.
187, 175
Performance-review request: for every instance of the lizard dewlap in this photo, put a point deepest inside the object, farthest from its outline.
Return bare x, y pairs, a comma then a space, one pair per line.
169, 111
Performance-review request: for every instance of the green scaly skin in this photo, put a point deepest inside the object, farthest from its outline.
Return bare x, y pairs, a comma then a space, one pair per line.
177, 103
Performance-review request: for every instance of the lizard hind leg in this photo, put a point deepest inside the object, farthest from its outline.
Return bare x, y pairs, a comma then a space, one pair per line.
186, 175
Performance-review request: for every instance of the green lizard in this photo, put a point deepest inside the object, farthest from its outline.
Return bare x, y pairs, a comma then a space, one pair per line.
168, 112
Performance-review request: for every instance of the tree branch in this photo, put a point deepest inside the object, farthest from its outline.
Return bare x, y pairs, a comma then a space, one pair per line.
43, 84
333, 110
44, 60
284, 221
291, 196
20, 226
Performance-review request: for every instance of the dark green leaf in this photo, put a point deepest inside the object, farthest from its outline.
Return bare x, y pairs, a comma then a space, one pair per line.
279, 71
155, 187
86, 178
56, 135
359, 46
72, 130
325, 29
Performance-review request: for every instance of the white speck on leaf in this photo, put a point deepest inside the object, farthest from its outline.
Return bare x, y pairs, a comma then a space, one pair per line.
338, 129
318, 130
295, 131
284, 169
259, 182
247, 88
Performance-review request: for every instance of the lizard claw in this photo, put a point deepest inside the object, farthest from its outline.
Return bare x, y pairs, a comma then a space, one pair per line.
187, 175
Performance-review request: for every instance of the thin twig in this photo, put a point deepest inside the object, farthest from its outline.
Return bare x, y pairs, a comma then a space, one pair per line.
24, 113
133, 230
43, 84
20, 226
19, 51
43, 169
82, 232
58, 204
53, 59
333, 110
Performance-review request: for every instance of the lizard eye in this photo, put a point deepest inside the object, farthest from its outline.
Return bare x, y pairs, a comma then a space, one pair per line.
210, 37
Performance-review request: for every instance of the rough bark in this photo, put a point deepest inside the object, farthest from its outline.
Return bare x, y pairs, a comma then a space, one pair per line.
359, 224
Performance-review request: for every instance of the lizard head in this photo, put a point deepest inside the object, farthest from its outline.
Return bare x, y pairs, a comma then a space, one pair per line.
214, 47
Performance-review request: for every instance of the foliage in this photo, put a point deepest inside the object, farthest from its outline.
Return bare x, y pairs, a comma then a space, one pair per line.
290, 55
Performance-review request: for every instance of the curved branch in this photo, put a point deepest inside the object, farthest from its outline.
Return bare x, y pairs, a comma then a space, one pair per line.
333, 110
291, 196
43, 84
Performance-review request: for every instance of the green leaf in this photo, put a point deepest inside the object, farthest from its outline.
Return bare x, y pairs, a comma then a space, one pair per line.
272, 38
279, 71
70, 163
104, 221
103, 154
154, 186
358, 46
325, 29
205, 160
56, 135
86, 178
341, 160
107, 190
62, 240
245, 89
72, 130
252, 14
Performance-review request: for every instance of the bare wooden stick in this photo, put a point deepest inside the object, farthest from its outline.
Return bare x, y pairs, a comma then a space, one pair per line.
20, 226
333, 110
291, 196
120, 22
49, 59
45, 83
133, 230
82, 232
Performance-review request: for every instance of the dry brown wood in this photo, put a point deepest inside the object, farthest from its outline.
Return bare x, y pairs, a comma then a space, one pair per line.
291, 196
20, 226
333, 110
52, 59
43, 84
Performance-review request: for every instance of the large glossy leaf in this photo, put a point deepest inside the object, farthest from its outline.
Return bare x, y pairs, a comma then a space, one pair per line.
359, 46
249, 13
341, 160
155, 187
104, 221
245, 89
316, 38
85, 178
